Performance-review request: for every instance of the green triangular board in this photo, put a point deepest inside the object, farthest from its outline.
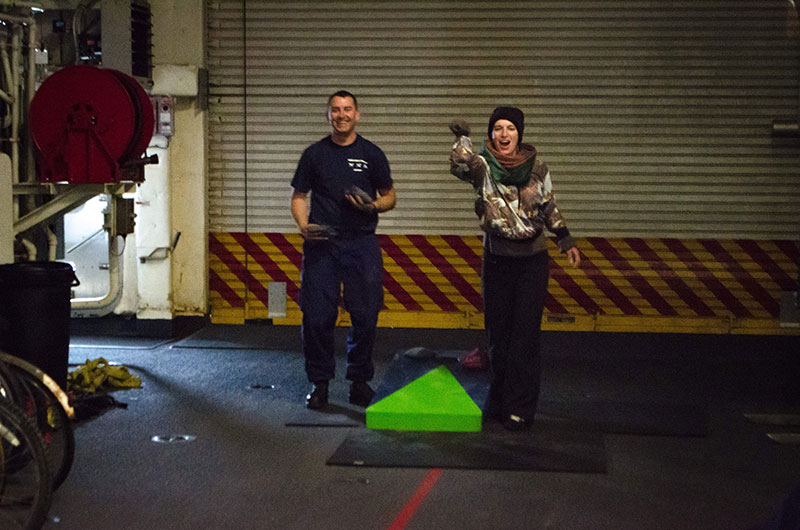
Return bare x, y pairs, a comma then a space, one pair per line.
433, 402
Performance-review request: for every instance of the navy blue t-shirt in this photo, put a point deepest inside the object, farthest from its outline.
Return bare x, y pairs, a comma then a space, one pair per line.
327, 170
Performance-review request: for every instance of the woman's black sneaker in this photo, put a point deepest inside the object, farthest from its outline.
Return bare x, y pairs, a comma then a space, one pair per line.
361, 394
516, 423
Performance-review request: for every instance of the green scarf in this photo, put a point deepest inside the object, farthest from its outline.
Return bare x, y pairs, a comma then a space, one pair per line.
515, 175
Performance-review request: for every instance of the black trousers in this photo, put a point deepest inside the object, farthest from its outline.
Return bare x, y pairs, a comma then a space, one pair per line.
350, 269
514, 292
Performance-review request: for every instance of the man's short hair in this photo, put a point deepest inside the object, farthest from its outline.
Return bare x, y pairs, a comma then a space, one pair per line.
343, 94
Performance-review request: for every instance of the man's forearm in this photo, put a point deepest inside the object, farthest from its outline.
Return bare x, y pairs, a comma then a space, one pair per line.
300, 210
386, 201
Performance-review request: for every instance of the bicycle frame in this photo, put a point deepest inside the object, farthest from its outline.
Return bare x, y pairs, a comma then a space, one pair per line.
62, 397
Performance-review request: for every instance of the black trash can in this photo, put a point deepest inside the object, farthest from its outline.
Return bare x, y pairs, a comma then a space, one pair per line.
35, 303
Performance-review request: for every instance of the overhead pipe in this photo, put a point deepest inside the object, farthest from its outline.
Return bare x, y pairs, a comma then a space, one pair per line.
17, 19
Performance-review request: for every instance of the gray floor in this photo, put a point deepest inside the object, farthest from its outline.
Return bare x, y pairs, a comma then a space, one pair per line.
247, 470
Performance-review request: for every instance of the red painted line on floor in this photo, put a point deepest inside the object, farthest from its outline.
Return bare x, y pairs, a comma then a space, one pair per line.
415, 501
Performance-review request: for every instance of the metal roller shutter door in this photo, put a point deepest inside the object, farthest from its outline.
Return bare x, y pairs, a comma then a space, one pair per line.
654, 116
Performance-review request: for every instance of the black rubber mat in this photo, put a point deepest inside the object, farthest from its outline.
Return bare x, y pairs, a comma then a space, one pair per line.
332, 415
645, 417
546, 447
243, 337
116, 343
618, 417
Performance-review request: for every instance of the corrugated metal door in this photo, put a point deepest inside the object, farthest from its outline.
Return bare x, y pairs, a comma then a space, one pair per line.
655, 117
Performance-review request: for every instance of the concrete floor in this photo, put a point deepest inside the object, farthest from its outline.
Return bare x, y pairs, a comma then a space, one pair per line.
247, 470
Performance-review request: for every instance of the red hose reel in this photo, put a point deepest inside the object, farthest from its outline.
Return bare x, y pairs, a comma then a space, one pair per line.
91, 124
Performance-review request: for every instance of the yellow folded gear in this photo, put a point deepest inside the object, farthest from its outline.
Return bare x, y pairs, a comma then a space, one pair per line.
97, 373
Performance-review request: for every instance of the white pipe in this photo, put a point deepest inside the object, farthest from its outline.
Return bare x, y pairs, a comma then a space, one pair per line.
6, 211
30, 88
17, 19
6, 64
8, 81
31, 248
5, 97
16, 41
6, 123
26, 3
52, 244
98, 307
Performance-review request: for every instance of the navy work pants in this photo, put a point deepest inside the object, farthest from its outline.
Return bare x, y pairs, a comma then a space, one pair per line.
514, 292
353, 268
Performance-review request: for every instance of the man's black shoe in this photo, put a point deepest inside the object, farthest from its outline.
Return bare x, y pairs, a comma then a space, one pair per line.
318, 397
361, 394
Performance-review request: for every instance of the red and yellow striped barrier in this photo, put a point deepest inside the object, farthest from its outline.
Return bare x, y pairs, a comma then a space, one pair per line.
624, 284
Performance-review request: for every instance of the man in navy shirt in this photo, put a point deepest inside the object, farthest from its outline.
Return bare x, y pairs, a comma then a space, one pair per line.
350, 184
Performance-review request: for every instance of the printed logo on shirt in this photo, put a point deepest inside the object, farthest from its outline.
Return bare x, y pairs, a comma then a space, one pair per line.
356, 164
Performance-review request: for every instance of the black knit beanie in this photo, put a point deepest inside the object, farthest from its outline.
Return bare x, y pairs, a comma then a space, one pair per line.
512, 114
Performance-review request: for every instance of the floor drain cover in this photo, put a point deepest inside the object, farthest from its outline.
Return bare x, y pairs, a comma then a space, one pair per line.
173, 438
261, 387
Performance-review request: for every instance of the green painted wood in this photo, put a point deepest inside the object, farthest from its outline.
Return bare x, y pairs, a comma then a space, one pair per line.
434, 402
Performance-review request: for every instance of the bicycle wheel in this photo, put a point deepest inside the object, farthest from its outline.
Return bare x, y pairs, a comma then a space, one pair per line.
44, 409
48, 405
26, 488
9, 386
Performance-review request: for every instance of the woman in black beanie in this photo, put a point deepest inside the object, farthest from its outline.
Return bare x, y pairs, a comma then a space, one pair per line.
515, 205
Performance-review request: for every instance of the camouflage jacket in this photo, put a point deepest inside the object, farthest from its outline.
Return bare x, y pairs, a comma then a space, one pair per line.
510, 212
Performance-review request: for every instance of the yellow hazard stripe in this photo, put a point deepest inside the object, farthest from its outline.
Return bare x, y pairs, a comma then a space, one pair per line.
624, 284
